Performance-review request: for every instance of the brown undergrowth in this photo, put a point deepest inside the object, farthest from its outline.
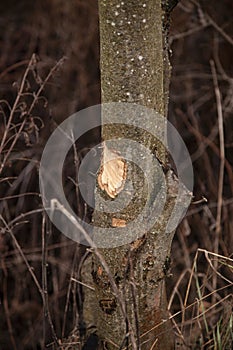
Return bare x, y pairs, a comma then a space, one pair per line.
48, 71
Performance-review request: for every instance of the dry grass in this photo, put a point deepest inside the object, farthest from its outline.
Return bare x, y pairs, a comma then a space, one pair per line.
40, 297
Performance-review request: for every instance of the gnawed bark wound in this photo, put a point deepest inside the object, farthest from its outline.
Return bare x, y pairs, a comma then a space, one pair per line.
113, 172
118, 222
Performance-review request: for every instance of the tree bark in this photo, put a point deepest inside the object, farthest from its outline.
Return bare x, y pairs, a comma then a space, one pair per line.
128, 307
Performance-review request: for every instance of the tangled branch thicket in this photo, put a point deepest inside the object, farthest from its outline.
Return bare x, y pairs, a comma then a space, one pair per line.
48, 70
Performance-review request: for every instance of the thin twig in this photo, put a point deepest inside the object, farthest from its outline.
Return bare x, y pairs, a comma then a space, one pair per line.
55, 204
135, 306
6, 306
16, 102
47, 314
69, 290
44, 276
222, 149
209, 19
82, 283
13, 67
30, 269
16, 243
221, 170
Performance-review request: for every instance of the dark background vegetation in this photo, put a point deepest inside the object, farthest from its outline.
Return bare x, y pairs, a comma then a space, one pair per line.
49, 69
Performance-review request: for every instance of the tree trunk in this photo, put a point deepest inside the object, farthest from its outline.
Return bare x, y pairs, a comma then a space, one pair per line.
128, 307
